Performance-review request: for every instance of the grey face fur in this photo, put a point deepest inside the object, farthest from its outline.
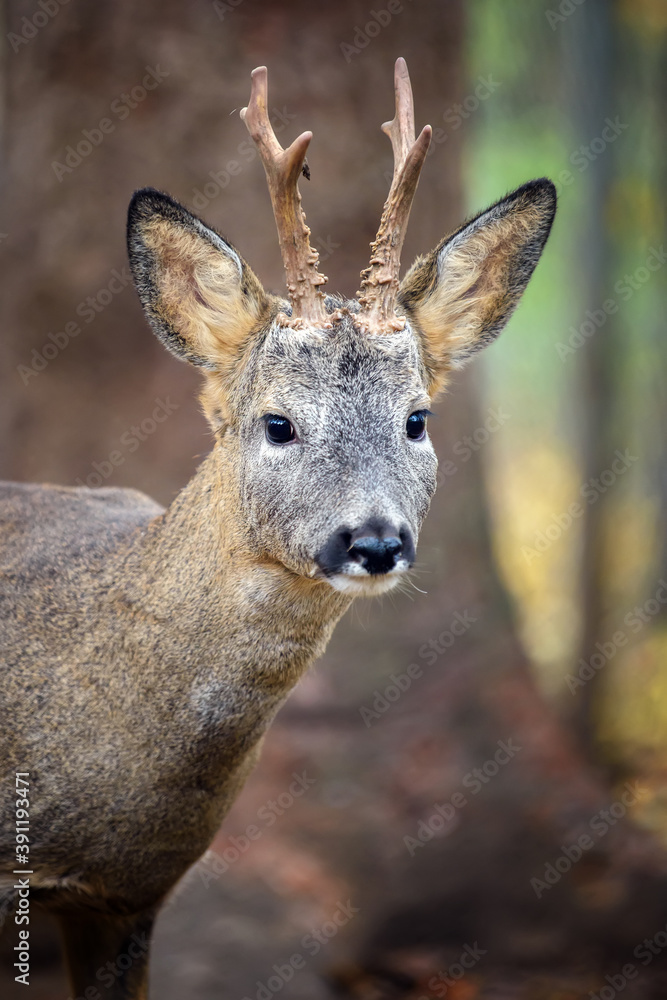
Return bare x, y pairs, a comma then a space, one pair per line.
344, 500
352, 467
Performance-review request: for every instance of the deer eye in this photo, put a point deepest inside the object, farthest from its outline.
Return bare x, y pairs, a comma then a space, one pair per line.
415, 426
278, 429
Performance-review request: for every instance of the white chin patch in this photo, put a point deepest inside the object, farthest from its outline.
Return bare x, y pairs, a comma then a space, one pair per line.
356, 581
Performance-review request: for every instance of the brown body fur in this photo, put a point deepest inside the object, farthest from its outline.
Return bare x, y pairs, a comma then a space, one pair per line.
114, 590
130, 781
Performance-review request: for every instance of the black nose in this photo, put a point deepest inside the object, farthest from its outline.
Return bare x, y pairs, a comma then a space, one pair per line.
375, 546
377, 555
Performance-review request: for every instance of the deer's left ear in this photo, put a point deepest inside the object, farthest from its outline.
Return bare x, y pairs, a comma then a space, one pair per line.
460, 296
199, 295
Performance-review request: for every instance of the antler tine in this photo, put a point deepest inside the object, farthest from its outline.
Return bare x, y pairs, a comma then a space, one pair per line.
283, 168
379, 285
401, 129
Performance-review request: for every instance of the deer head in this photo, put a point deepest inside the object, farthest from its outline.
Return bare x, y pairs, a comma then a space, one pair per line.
322, 403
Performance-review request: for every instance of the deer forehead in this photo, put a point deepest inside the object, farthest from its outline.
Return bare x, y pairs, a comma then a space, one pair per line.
339, 366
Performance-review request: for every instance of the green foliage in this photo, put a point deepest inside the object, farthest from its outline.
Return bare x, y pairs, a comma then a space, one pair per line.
530, 126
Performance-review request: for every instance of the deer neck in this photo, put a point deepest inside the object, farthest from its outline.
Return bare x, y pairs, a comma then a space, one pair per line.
232, 617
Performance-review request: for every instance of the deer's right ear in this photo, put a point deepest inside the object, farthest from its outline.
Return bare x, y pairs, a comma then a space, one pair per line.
200, 297
461, 294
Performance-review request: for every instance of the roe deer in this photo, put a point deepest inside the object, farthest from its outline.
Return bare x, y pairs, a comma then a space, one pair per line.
144, 652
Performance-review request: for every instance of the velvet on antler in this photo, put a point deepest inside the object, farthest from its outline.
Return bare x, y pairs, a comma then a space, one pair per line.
379, 286
283, 168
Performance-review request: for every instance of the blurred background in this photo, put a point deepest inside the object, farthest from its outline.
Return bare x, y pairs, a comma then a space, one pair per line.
496, 827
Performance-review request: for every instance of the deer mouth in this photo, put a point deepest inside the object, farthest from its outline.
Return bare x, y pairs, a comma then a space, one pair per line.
354, 580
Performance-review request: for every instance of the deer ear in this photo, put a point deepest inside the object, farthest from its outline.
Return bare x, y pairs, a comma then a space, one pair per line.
460, 296
200, 297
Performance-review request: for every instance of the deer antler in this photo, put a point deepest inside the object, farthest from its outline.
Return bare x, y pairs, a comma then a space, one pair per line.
379, 285
283, 168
